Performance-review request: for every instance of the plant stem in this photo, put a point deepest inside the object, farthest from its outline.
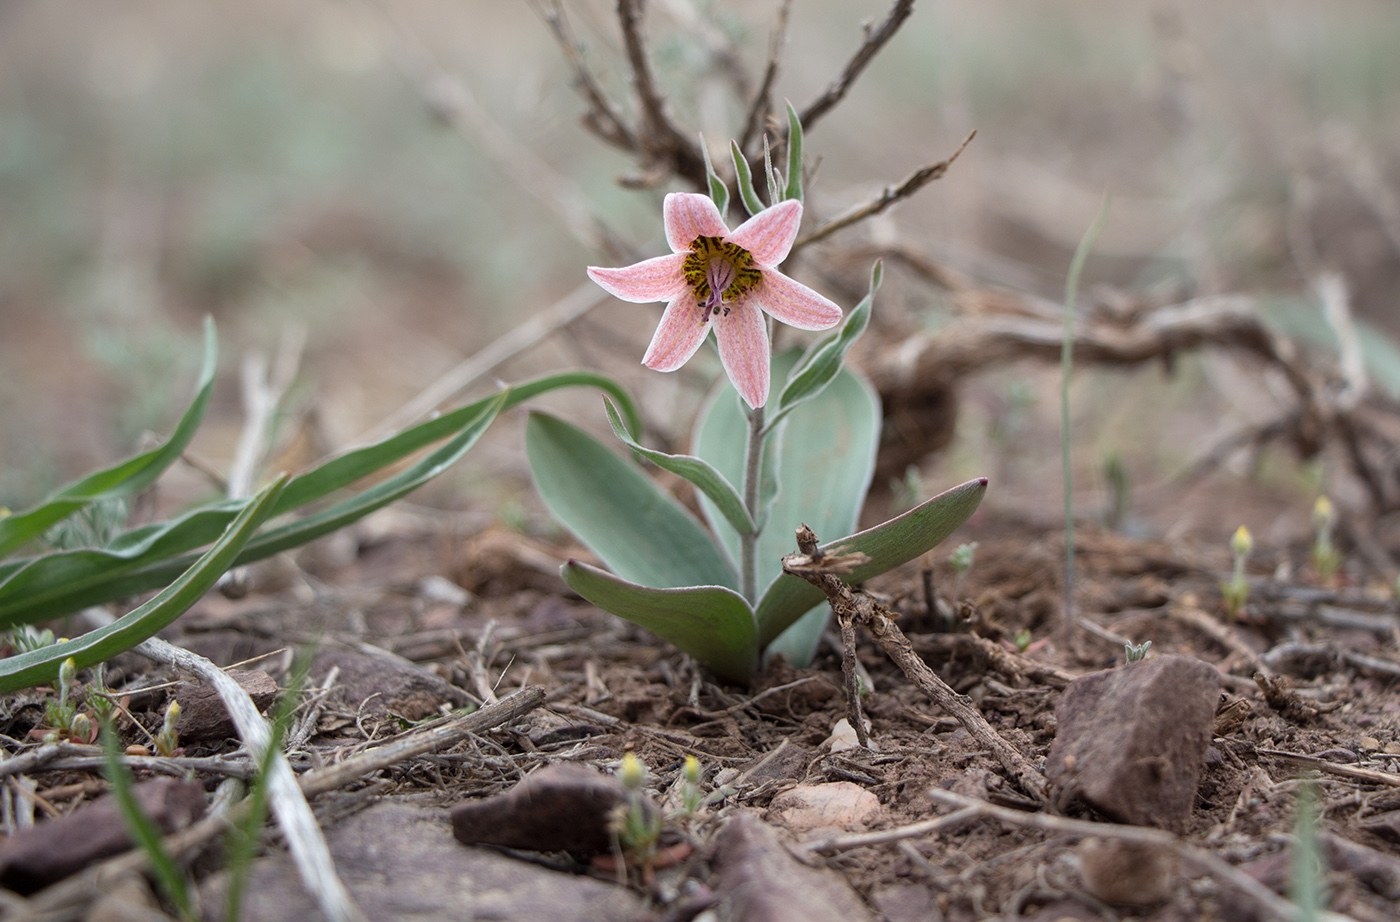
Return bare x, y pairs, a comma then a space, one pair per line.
753, 463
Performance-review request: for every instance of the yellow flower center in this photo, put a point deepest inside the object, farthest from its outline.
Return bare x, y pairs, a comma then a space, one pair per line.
718, 272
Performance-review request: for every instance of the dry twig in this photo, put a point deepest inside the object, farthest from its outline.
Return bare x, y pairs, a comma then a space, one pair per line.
1271, 904
875, 40
860, 608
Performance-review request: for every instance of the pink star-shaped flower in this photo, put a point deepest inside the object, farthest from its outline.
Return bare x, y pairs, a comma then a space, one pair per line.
715, 277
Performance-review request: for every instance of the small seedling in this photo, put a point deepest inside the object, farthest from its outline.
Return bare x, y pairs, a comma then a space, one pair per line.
1235, 592
1136, 652
635, 828
1326, 559
692, 799
168, 739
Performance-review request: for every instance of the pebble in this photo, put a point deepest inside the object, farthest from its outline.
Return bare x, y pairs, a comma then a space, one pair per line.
1369, 743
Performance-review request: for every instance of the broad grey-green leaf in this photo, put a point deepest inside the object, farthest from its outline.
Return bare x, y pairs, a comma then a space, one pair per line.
888, 545
826, 456
708, 480
711, 623
39, 666
634, 526
125, 479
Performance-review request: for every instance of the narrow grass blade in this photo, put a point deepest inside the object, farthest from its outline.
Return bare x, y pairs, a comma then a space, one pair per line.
711, 623
634, 526
743, 178
698, 472
130, 476
794, 164
888, 545
719, 192
38, 666
144, 832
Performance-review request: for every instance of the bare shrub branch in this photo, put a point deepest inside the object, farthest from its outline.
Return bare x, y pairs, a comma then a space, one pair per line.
875, 40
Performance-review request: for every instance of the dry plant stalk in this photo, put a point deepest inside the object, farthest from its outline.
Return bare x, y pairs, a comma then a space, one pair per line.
854, 607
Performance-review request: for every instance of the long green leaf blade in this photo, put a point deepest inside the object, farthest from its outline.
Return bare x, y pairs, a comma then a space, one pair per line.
65, 582
888, 545
711, 623
719, 192
125, 479
698, 472
38, 666
146, 558
634, 526
820, 365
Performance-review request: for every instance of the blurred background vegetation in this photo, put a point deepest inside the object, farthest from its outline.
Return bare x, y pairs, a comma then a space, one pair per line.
277, 164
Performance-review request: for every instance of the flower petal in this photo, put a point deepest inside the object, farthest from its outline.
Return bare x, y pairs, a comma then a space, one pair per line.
689, 215
769, 234
680, 333
658, 279
794, 303
743, 348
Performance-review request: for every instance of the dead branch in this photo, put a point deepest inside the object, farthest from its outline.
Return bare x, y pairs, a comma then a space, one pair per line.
858, 607
875, 39
661, 144
762, 104
891, 194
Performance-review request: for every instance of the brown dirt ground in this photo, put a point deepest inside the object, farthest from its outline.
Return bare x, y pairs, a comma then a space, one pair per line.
640, 695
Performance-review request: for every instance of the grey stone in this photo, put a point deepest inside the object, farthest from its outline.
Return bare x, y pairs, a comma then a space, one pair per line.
1132, 741
758, 881
401, 862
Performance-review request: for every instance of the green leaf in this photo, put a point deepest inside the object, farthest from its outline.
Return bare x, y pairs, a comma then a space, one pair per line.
147, 558
708, 480
39, 666
130, 476
774, 182
719, 192
825, 358
711, 623
634, 527
794, 168
825, 459
888, 545
743, 178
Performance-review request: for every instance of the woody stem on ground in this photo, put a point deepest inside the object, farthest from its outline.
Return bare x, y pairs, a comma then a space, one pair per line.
858, 607
753, 473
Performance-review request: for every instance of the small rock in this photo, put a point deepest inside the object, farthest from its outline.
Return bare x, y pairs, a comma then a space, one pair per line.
380, 686
761, 882
837, 806
202, 712
1377, 870
1127, 873
400, 863
47, 852
1386, 825
560, 808
906, 903
1368, 744
1132, 740
843, 737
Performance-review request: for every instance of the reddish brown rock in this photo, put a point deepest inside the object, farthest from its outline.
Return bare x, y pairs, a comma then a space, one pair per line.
1132, 741
381, 687
47, 852
202, 712
560, 808
760, 882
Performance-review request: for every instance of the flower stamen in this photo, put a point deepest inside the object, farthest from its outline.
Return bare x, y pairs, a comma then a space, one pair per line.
719, 272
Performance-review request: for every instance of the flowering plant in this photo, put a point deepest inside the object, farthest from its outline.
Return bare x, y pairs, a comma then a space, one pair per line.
805, 457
